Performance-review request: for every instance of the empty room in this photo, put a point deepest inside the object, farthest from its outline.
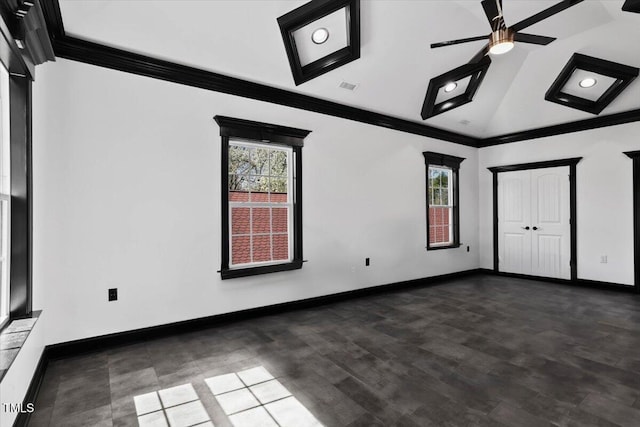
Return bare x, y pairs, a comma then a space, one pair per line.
296, 213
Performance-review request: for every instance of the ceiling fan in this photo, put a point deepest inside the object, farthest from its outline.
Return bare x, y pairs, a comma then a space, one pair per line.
502, 38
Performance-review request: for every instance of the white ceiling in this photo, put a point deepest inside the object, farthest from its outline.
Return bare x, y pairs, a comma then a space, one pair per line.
242, 39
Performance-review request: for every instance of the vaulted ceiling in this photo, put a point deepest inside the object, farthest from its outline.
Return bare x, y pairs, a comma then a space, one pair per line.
242, 39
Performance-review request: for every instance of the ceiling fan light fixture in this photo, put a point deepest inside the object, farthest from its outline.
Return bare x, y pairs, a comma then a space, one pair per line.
587, 82
501, 41
450, 87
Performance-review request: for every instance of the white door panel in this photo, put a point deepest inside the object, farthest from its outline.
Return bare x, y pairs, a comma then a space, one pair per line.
514, 213
550, 221
537, 199
514, 256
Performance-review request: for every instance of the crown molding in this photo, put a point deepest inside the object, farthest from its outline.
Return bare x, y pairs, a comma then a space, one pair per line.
104, 56
570, 127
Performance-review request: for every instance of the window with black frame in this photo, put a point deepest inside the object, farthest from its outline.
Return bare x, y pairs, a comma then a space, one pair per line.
261, 197
5, 196
443, 200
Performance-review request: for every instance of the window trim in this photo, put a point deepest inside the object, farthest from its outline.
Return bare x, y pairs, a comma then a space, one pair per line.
453, 163
5, 129
20, 116
260, 133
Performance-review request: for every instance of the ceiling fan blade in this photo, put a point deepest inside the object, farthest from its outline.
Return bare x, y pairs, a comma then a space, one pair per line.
557, 8
491, 10
452, 42
533, 39
481, 54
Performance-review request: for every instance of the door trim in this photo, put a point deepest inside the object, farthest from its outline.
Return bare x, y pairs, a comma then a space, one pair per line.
572, 162
635, 156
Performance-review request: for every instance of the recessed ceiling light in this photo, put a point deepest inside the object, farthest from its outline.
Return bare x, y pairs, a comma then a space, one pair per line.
450, 87
588, 82
320, 35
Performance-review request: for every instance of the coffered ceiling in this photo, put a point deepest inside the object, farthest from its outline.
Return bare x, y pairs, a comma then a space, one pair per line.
242, 39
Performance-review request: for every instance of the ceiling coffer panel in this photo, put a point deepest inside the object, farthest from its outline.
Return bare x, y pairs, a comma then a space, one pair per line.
320, 36
454, 88
579, 84
631, 6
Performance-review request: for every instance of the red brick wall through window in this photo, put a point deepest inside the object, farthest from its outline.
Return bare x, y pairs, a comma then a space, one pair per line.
259, 234
438, 225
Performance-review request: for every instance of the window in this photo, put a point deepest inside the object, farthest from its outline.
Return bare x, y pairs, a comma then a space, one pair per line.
443, 229
5, 195
261, 197
260, 203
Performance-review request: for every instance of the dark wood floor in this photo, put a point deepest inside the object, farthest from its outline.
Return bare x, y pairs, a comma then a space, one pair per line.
477, 351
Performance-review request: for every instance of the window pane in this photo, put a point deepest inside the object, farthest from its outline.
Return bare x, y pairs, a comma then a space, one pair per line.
239, 160
259, 161
260, 220
261, 248
238, 196
433, 175
279, 220
444, 178
259, 187
444, 194
240, 221
278, 189
280, 247
240, 249
436, 197
278, 163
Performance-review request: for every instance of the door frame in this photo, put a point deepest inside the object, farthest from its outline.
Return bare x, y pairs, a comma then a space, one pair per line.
635, 156
571, 162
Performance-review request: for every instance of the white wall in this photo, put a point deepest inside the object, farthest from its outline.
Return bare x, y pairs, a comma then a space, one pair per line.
127, 195
604, 195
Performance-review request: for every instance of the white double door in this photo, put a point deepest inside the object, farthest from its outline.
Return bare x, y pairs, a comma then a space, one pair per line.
534, 228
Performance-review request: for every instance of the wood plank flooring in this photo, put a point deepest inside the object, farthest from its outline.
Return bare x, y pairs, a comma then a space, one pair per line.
479, 351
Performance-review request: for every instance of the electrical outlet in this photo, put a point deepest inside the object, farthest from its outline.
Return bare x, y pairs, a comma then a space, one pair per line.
603, 259
366, 262
113, 294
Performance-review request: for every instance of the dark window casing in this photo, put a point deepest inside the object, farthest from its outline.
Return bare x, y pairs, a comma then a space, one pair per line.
452, 162
264, 133
20, 65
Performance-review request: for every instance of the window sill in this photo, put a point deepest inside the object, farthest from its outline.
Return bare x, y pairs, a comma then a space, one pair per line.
12, 338
436, 248
254, 271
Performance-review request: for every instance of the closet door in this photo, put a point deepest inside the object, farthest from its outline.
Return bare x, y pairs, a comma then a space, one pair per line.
514, 222
550, 223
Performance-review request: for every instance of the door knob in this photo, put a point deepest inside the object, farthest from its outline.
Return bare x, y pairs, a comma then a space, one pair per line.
527, 227
535, 228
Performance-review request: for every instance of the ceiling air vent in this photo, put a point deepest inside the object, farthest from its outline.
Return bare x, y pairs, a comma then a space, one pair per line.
348, 86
